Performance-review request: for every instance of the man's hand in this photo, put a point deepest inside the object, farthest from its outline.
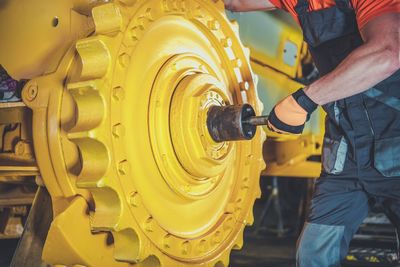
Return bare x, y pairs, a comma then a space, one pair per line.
290, 115
248, 5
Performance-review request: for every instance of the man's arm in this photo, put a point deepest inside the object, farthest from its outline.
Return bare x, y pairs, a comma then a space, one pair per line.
374, 61
248, 5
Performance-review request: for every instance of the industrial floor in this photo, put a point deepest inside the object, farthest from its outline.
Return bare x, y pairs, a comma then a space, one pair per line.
264, 248
267, 251
271, 251
7, 247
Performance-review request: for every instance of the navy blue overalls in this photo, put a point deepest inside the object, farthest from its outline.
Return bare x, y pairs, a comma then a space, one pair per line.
361, 150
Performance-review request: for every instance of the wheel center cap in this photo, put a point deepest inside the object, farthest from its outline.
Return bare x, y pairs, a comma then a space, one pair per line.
199, 155
189, 160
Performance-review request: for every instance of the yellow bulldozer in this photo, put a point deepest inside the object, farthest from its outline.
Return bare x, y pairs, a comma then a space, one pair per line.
109, 120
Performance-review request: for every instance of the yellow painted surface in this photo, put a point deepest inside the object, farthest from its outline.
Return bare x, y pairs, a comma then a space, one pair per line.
119, 93
36, 34
119, 130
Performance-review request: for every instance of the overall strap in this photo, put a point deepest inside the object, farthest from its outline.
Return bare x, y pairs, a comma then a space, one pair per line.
343, 4
302, 6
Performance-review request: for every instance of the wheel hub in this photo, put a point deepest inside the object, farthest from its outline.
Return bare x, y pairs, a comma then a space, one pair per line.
134, 140
190, 162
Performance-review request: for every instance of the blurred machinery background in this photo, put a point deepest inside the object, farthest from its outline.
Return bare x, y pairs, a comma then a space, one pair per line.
282, 63
103, 107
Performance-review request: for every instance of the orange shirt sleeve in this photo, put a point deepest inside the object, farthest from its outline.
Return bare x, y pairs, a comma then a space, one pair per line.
366, 10
278, 3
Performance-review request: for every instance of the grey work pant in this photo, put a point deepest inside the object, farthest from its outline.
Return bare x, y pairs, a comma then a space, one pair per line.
339, 205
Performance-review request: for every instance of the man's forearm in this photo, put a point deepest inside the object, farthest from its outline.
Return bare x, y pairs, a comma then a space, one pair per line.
366, 66
361, 70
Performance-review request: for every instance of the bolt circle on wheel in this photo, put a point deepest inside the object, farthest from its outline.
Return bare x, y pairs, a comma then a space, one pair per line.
139, 89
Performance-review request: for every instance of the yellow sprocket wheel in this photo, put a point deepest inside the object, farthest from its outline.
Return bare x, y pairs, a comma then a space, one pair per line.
133, 132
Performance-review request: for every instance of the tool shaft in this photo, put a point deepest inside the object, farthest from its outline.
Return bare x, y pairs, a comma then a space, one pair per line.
257, 120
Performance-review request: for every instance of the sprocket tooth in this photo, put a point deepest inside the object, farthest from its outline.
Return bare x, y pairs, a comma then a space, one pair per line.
247, 52
89, 106
261, 104
239, 240
107, 209
255, 79
250, 217
223, 260
263, 164
258, 191
94, 160
235, 26
154, 261
95, 57
128, 246
107, 19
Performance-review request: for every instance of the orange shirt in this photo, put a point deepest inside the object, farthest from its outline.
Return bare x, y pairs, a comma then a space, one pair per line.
365, 9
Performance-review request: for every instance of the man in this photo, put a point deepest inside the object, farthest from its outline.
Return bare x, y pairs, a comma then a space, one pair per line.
356, 47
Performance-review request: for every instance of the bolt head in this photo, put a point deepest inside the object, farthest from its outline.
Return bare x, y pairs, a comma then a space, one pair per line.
227, 42
118, 130
134, 199
31, 92
123, 167
214, 25
244, 86
118, 93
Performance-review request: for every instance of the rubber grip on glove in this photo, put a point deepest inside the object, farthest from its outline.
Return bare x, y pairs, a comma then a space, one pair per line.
283, 126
